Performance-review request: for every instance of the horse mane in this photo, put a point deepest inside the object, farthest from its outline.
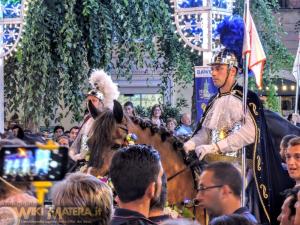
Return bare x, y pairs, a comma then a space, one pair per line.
162, 131
101, 137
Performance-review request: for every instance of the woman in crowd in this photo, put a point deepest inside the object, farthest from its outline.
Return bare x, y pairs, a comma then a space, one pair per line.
129, 109
156, 114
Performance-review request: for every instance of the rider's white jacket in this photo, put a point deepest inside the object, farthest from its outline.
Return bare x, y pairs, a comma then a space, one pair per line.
225, 114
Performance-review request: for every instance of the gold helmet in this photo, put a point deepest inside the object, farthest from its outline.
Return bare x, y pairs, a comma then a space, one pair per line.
225, 57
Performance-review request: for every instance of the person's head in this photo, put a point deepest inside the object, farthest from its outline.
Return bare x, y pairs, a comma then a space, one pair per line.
292, 158
186, 119
171, 124
232, 219
18, 131
58, 131
96, 98
46, 134
219, 185
224, 68
286, 215
284, 144
63, 140
136, 173
73, 133
129, 108
88, 194
156, 111
297, 207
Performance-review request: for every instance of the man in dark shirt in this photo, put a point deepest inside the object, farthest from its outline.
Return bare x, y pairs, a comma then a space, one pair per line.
219, 191
136, 173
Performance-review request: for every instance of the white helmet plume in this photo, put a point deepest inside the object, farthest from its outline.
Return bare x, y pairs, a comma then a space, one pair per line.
104, 84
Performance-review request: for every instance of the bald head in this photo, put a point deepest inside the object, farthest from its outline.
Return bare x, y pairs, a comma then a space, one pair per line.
186, 119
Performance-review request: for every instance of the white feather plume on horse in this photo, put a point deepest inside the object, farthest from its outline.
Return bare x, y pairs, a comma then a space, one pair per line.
103, 83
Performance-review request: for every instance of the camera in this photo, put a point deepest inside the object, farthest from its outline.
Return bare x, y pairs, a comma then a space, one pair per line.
31, 163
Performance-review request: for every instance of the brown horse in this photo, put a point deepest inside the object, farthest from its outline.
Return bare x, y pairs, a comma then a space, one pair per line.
110, 129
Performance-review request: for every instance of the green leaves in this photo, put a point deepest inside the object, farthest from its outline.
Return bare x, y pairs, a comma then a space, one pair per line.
65, 39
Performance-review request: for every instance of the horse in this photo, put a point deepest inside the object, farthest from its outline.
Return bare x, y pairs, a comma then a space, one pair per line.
111, 128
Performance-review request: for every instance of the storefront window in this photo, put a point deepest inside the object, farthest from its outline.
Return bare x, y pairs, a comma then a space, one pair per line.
145, 100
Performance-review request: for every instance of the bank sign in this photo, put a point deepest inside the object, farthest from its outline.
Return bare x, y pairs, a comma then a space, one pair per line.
204, 88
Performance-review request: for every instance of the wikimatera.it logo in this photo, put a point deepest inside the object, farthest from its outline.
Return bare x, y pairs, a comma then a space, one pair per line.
36, 214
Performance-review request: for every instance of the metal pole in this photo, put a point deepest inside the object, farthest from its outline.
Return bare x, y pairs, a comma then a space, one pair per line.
1, 95
1, 77
245, 93
297, 77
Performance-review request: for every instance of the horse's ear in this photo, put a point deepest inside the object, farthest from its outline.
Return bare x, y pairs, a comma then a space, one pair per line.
118, 111
92, 109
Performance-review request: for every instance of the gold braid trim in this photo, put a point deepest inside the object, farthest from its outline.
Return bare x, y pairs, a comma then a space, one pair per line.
264, 190
258, 163
254, 171
253, 108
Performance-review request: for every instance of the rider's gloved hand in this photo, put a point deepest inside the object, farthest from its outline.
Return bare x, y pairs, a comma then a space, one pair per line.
202, 150
189, 146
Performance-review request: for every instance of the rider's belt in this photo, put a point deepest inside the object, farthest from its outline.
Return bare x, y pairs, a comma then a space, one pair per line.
217, 135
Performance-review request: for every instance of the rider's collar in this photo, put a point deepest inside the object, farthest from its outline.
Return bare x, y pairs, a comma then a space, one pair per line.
228, 92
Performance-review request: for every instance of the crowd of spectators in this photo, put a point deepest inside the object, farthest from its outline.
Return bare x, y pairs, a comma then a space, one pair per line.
140, 184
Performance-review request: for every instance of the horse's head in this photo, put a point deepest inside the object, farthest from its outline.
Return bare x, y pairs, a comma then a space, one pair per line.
109, 130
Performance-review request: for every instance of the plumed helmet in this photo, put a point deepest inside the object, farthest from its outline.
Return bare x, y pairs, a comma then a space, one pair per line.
230, 32
225, 57
103, 88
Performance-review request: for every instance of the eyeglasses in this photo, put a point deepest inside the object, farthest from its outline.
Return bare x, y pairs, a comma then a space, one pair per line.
199, 189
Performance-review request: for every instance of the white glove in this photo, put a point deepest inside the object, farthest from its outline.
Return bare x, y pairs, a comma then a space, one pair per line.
189, 146
202, 150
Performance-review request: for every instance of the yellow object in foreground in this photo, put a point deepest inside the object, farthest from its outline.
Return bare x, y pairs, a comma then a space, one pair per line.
41, 188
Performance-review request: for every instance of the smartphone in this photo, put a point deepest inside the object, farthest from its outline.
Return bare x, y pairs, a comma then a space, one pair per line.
30, 163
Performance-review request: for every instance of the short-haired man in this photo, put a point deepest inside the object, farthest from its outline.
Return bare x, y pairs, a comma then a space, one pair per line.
292, 158
73, 133
136, 173
58, 131
219, 191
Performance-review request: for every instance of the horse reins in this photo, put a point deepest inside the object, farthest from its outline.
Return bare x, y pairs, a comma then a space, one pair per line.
193, 163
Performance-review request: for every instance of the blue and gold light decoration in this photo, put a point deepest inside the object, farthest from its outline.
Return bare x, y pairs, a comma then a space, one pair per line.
12, 14
196, 21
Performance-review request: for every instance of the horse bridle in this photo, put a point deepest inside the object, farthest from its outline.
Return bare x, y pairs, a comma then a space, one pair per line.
189, 166
192, 162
